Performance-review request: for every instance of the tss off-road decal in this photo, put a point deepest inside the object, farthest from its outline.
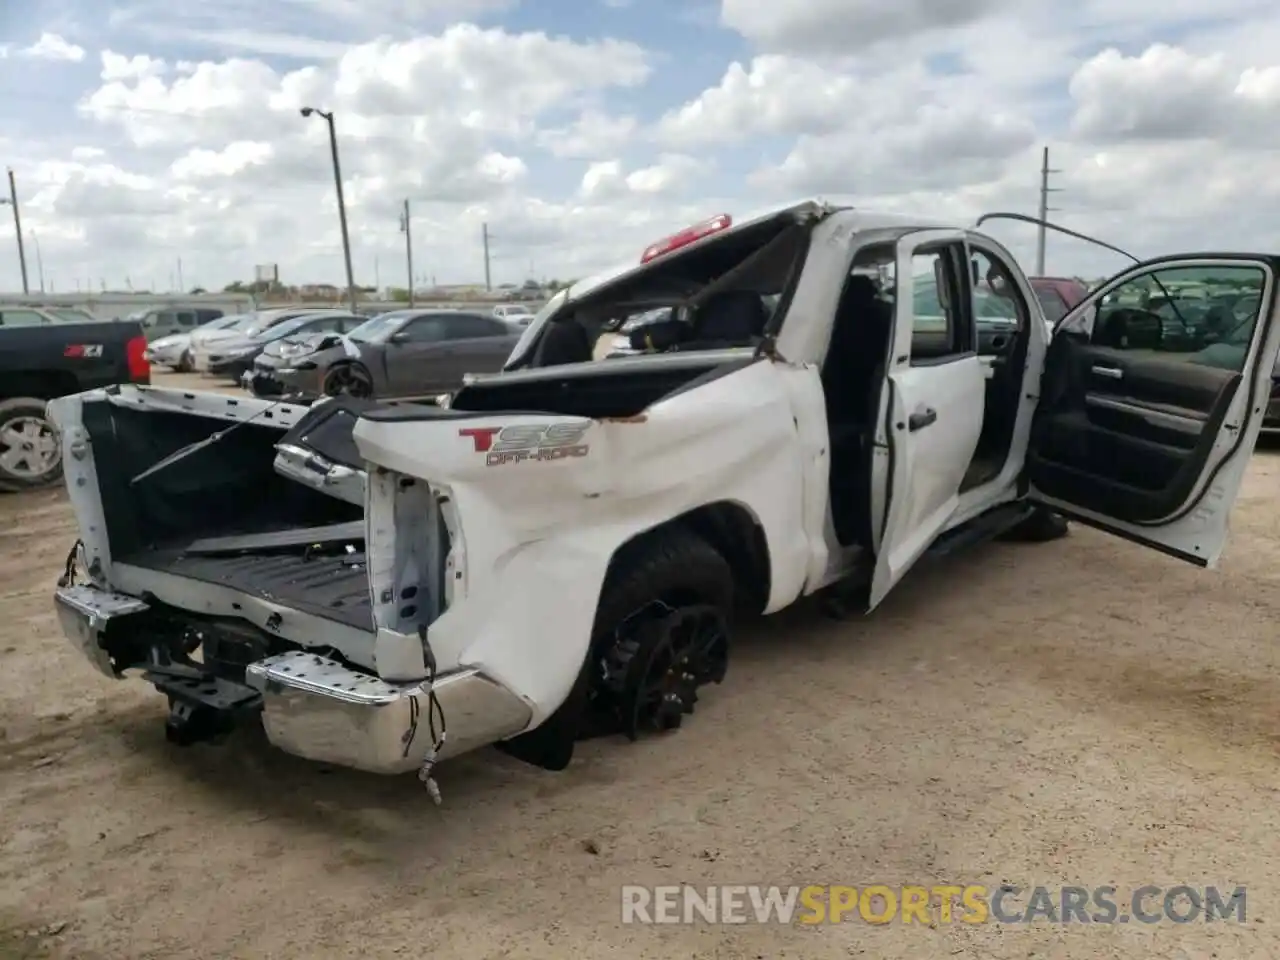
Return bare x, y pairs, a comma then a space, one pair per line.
521, 443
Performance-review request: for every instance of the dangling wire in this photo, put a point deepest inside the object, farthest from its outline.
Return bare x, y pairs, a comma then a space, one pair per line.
68, 578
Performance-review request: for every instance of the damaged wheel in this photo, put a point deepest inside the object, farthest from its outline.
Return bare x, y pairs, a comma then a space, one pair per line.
652, 673
666, 598
661, 632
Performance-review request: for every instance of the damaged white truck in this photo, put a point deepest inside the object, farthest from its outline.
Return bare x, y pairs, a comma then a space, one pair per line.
561, 548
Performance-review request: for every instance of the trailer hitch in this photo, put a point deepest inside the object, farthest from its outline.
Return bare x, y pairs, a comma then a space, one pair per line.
202, 706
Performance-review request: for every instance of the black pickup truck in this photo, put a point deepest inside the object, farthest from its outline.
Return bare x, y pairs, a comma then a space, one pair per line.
41, 359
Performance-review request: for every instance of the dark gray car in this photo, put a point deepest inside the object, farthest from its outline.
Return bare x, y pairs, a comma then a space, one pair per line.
405, 353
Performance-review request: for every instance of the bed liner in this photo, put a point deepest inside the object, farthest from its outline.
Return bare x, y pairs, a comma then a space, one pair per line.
279, 567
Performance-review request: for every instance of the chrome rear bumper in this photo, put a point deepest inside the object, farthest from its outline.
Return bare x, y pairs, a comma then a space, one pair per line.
83, 614
322, 710
316, 708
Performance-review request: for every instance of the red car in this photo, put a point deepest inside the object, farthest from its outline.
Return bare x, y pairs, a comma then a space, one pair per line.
1058, 295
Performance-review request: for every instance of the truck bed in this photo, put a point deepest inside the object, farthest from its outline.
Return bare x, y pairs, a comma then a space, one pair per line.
335, 587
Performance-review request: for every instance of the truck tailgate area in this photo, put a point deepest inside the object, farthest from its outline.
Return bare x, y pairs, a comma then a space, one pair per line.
332, 586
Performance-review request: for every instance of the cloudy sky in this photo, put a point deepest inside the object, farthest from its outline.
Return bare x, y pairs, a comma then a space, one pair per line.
142, 132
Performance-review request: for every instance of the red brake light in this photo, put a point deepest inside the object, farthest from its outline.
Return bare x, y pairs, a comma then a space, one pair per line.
687, 236
135, 352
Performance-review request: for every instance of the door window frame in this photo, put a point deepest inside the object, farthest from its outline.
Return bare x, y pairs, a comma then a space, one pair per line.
962, 335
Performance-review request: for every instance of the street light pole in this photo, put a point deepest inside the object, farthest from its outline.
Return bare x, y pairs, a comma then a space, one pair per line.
342, 205
39, 260
17, 227
407, 230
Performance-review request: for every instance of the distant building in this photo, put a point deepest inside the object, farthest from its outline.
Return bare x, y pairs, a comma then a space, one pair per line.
319, 290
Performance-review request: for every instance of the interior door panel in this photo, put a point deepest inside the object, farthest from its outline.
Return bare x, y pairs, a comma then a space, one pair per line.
1131, 446
1125, 428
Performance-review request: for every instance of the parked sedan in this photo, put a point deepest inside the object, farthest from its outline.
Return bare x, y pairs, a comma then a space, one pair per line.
405, 353
233, 357
174, 351
204, 342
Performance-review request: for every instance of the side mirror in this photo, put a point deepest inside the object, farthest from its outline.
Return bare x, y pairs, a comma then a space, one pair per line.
398, 337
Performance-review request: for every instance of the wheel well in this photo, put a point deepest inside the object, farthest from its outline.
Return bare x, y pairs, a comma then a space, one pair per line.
40, 384
735, 534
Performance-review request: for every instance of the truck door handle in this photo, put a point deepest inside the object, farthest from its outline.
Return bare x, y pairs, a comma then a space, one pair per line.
918, 421
1114, 373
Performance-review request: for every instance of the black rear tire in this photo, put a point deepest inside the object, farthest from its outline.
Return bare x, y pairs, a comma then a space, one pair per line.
27, 424
673, 568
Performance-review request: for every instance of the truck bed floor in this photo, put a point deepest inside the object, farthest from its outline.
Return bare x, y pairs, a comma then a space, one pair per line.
333, 587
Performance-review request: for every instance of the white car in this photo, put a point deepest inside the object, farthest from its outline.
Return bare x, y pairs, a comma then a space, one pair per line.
564, 545
175, 350
515, 314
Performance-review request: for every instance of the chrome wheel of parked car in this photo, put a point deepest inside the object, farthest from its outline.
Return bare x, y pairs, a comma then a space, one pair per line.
349, 380
30, 451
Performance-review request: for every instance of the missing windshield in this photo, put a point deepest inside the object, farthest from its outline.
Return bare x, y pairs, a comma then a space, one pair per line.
727, 293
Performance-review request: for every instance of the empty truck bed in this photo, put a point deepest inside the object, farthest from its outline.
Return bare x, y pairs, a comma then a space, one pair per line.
332, 585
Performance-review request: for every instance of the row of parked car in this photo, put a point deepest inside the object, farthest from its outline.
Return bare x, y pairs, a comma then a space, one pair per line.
309, 353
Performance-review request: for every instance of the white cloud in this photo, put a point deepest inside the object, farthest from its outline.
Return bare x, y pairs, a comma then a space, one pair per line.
118, 67
670, 174
201, 164
51, 46
1170, 94
603, 179
593, 134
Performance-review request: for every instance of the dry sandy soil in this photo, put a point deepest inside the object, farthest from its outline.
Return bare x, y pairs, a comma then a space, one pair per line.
1080, 712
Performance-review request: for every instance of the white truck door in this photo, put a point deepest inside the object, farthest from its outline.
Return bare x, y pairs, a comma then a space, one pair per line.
1151, 399
931, 403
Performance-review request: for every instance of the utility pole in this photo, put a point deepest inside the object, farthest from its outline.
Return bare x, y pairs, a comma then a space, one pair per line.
1045, 209
407, 230
488, 277
17, 229
327, 116
181, 286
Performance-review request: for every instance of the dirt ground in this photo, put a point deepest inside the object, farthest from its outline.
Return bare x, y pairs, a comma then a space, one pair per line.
1081, 712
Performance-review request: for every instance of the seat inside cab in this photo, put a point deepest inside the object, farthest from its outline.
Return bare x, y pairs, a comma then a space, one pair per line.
851, 376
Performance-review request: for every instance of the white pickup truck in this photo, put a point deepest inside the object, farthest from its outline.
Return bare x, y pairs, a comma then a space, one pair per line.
560, 550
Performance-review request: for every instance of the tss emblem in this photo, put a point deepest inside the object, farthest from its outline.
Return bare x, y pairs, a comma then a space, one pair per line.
524, 442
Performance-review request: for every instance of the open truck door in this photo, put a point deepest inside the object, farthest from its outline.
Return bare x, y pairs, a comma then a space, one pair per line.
1152, 396
931, 403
